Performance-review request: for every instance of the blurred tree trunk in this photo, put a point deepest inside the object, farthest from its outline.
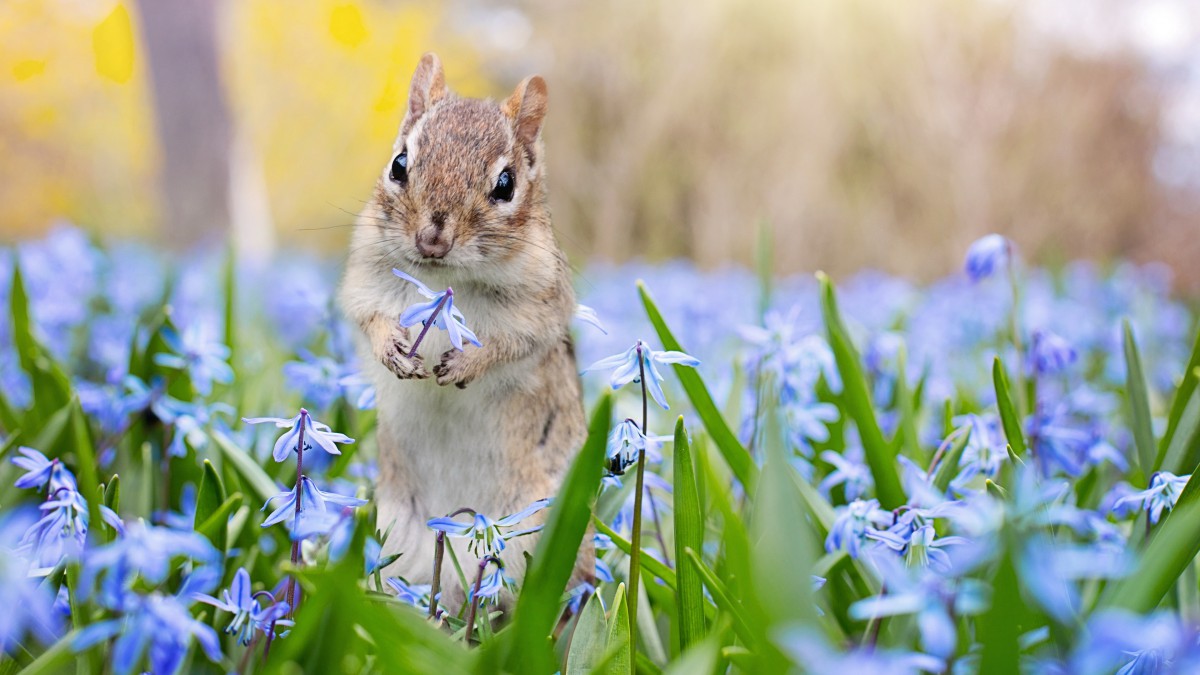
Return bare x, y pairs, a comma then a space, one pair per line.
194, 125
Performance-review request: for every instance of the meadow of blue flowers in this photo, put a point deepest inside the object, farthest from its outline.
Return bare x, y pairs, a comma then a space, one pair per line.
988, 474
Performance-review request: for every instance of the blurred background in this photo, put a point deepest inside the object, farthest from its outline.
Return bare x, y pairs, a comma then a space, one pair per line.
863, 133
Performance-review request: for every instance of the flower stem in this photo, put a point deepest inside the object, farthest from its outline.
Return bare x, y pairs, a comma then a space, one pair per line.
430, 321
439, 552
635, 556
291, 593
474, 599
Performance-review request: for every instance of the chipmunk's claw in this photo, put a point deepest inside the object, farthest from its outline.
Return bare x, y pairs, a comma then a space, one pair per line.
453, 370
405, 367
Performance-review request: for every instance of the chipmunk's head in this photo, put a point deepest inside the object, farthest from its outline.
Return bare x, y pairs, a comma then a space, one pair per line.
464, 184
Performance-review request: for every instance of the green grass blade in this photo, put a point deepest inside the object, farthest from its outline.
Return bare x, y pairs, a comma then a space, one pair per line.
727, 443
590, 639
689, 533
1174, 545
947, 467
1009, 418
210, 496
51, 386
216, 526
89, 482
112, 493
856, 396
1181, 452
1183, 393
621, 662
252, 475
1139, 403
554, 559
1000, 626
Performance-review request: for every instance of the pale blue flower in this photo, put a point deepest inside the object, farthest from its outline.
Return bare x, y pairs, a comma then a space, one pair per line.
315, 434
28, 604
1049, 354
204, 359
143, 552
313, 501
850, 471
624, 442
987, 255
449, 318
588, 315
626, 368
1136, 645
921, 547
852, 524
810, 649
487, 536
1163, 493
188, 421
156, 626
416, 595
38, 470
492, 585
1049, 571
248, 615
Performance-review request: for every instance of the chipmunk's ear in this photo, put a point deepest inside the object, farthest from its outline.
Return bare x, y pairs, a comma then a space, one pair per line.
527, 108
428, 86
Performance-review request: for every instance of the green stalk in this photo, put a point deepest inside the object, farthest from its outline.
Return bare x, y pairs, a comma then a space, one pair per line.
635, 557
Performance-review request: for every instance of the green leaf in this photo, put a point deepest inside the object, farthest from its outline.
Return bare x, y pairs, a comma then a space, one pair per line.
50, 384
210, 496
947, 468
1181, 452
856, 396
229, 281
700, 659
1173, 546
1139, 403
649, 565
590, 639
216, 525
89, 482
820, 508
112, 494
250, 472
907, 407
731, 449
54, 659
1000, 626
537, 607
721, 595
689, 533
1183, 393
1008, 410
618, 636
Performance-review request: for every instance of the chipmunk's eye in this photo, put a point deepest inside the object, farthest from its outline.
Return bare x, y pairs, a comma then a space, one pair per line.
400, 168
505, 183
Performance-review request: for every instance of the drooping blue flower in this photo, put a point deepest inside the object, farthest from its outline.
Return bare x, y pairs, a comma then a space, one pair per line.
850, 471
1133, 644
811, 650
62, 529
315, 434
318, 379
1050, 572
188, 421
249, 616
487, 536
624, 442
1049, 354
987, 255
314, 502
588, 315
204, 359
627, 368
416, 595
852, 523
28, 604
492, 585
921, 547
449, 318
1163, 493
38, 470
157, 627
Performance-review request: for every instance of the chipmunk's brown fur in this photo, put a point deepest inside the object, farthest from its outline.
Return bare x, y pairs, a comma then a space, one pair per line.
504, 434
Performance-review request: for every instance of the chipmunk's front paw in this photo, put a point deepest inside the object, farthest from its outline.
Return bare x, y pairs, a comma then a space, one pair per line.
454, 369
395, 357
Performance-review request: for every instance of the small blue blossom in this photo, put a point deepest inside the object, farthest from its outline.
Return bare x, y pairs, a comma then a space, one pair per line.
921, 547
29, 606
852, 524
156, 626
315, 434
588, 315
492, 585
810, 649
1049, 354
624, 442
850, 471
38, 470
318, 379
313, 502
189, 421
1163, 493
987, 255
416, 595
248, 615
449, 318
142, 552
204, 360
487, 537
627, 368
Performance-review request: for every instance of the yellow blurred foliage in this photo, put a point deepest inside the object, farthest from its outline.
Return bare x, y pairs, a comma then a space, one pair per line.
316, 91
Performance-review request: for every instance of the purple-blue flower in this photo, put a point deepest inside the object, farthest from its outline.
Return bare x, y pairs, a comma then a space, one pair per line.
1049, 354
249, 615
486, 535
28, 604
156, 626
449, 318
314, 502
204, 359
852, 524
143, 552
986, 255
1163, 493
626, 368
315, 434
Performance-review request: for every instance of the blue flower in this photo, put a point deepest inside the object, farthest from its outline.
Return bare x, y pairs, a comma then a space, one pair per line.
850, 471
449, 318
315, 433
313, 501
492, 584
986, 255
1049, 354
626, 368
38, 469
159, 627
416, 595
189, 420
852, 524
143, 552
1049, 572
487, 537
28, 604
1133, 644
588, 315
248, 615
317, 378
1163, 493
624, 442
204, 360
810, 649
921, 546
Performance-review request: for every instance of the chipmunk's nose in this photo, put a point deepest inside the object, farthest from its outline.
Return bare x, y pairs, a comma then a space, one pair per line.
433, 242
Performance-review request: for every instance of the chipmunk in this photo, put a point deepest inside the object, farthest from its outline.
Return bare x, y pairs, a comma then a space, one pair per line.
462, 203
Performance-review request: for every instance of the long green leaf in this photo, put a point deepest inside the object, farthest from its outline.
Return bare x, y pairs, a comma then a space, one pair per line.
557, 549
54, 659
590, 639
857, 397
1139, 404
947, 468
1181, 451
89, 482
210, 496
1000, 626
1183, 394
250, 472
216, 525
689, 534
722, 597
731, 449
50, 384
1009, 418
1174, 545
619, 641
